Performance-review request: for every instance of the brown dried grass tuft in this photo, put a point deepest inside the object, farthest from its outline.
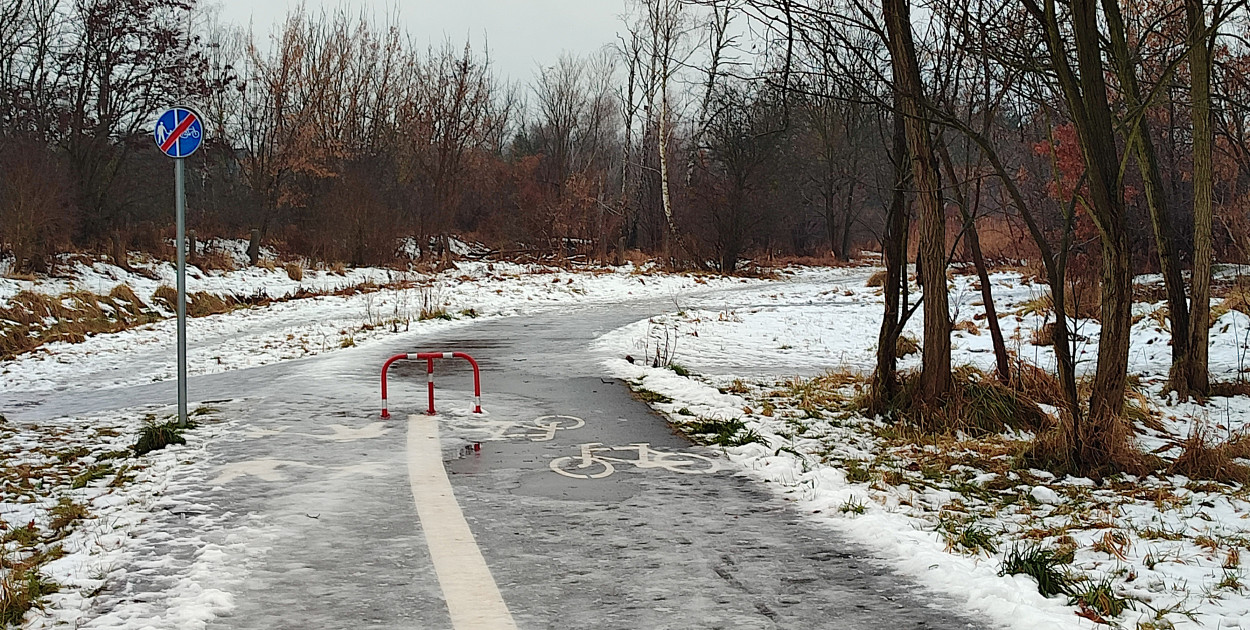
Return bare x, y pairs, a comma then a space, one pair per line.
203, 304
906, 345
1230, 389
967, 326
876, 280
1237, 298
1204, 457
1036, 383
216, 259
977, 405
1096, 447
824, 392
1044, 336
33, 319
1080, 300
124, 297
294, 271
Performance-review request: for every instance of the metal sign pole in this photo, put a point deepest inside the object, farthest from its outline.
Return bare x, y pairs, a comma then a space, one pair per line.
181, 194
178, 132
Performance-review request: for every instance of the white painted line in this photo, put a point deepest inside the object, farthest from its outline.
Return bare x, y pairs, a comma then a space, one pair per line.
472, 597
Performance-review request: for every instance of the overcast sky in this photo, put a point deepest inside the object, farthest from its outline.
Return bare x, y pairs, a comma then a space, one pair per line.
523, 34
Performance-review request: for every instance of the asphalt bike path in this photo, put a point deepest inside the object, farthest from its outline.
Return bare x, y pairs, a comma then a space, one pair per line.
568, 504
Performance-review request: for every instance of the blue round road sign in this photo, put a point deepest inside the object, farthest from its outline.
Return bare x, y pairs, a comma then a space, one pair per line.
179, 132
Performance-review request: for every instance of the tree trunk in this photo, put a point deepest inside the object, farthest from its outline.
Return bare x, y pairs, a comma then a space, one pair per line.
935, 373
1156, 201
1097, 443
1200, 73
253, 248
664, 192
894, 247
973, 239
846, 222
1101, 442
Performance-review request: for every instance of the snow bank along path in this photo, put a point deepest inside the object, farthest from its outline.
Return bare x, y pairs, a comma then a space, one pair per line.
829, 320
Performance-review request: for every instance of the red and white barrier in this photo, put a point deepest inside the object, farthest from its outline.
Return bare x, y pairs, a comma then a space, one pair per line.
429, 357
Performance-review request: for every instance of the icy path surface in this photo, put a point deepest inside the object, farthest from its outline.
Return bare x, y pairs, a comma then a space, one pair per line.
315, 486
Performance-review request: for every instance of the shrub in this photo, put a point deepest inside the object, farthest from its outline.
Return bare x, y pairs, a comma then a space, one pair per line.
154, 437
1043, 565
1101, 597
732, 432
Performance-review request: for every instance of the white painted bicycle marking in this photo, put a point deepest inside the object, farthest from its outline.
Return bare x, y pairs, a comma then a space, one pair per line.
548, 425
542, 429
592, 463
473, 599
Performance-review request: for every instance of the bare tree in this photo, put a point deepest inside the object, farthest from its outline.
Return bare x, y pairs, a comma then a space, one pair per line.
935, 375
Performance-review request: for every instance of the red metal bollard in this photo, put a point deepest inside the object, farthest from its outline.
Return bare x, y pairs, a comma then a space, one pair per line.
429, 359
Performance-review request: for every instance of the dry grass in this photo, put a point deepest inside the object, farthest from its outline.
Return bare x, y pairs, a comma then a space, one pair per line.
32, 319
22, 587
876, 280
203, 304
824, 392
906, 345
1044, 336
1096, 447
1204, 457
167, 297
967, 326
1236, 299
1081, 300
1036, 384
977, 405
294, 272
1230, 389
216, 259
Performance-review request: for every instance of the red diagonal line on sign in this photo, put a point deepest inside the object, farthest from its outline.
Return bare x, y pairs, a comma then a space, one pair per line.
178, 131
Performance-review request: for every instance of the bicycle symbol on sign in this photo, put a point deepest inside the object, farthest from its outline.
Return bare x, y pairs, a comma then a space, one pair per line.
592, 463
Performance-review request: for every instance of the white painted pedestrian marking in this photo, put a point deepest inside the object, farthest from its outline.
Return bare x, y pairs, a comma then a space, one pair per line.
592, 463
367, 469
351, 434
473, 599
263, 469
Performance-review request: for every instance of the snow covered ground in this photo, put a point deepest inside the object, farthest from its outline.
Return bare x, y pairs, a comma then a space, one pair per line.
1172, 546
305, 327
950, 513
